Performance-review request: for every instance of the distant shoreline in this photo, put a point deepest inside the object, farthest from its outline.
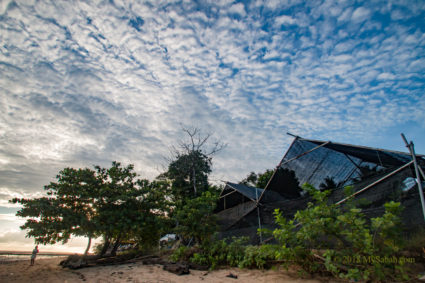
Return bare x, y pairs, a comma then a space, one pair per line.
6, 259
39, 254
13, 256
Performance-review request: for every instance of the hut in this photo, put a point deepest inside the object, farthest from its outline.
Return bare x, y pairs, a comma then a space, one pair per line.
376, 175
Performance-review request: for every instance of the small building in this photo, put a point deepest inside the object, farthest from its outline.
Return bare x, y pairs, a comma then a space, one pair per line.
376, 175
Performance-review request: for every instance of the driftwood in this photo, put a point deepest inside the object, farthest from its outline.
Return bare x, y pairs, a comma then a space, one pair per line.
195, 266
177, 268
78, 261
231, 275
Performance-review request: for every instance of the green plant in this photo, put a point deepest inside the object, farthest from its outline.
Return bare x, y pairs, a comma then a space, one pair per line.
196, 219
182, 253
258, 256
340, 240
219, 252
236, 250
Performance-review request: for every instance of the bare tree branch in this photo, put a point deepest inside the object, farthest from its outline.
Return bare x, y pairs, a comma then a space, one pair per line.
198, 142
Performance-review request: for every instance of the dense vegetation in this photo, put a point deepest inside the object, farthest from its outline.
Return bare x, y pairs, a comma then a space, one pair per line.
322, 238
114, 204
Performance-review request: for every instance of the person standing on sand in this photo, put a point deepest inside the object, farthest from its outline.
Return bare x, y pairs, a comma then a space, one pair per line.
34, 254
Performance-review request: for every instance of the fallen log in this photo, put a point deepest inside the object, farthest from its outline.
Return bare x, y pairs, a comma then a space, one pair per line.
177, 268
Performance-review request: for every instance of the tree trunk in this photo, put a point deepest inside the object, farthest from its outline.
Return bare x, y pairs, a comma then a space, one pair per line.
105, 246
117, 243
88, 246
194, 180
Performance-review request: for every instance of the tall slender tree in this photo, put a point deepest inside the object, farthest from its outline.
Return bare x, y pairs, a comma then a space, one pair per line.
191, 164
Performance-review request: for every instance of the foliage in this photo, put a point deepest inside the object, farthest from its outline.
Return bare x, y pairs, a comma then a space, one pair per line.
228, 252
102, 202
218, 252
264, 178
182, 253
66, 210
259, 180
189, 171
258, 257
191, 164
250, 180
354, 248
212, 254
196, 219
328, 184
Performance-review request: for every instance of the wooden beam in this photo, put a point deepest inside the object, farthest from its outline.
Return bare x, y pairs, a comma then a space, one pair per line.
376, 182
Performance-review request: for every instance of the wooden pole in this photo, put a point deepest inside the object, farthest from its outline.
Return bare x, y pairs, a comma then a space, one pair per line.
283, 163
411, 148
258, 215
376, 182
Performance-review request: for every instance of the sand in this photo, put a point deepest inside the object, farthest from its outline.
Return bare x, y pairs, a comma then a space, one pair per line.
48, 270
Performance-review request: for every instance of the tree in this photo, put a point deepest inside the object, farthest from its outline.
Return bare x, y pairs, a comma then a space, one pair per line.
328, 184
67, 210
196, 218
250, 180
106, 202
189, 175
191, 164
259, 180
130, 208
117, 204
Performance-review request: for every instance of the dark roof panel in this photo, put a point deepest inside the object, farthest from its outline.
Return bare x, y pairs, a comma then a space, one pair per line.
375, 155
249, 192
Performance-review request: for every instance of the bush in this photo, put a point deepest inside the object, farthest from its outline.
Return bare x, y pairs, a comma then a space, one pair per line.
213, 254
182, 253
258, 256
341, 240
196, 218
234, 252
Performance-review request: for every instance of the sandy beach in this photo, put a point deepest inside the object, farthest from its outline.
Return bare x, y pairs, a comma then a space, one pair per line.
48, 270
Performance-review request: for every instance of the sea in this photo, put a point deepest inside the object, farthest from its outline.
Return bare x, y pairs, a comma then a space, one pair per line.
4, 259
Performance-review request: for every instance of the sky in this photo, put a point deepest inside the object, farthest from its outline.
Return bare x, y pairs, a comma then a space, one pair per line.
85, 83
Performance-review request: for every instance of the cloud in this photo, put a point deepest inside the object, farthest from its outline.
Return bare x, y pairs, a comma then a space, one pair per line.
360, 14
238, 8
284, 19
86, 84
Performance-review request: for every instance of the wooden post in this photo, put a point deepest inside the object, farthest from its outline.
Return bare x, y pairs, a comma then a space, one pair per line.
411, 148
258, 215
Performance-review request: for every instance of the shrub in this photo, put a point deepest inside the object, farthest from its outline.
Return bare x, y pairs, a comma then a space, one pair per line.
353, 247
258, 256
182, 253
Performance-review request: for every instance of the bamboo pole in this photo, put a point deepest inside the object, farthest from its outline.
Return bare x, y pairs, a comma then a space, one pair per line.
376, 182
258, 215
282, 163
411, 148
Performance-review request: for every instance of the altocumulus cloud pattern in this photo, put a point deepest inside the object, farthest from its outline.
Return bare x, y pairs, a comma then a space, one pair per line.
88, 82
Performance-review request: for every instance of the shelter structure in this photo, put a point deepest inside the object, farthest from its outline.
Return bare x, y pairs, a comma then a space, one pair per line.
376, 175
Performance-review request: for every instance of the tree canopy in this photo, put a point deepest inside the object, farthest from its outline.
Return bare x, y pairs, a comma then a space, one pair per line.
102, 202
114, 204
258, 180
191, 164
